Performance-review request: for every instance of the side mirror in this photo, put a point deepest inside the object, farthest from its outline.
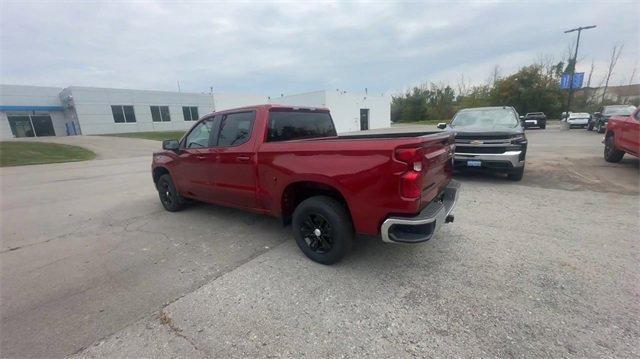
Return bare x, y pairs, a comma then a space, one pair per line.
522, 117
170, 145
442, 125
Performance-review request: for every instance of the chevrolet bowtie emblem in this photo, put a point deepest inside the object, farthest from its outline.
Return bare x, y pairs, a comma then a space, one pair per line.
476, 142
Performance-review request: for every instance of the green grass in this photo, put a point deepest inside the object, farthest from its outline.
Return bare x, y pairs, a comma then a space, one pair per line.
14, 153
157, 135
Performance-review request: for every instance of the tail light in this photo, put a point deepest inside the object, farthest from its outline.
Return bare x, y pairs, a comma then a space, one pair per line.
410, 181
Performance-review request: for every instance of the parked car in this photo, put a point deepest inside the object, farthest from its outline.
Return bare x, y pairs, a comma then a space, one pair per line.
289, 162
535, 119
622, 136
489, 138
599, 119
578, 119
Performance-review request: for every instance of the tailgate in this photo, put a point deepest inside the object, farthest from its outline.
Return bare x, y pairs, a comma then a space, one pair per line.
437, 168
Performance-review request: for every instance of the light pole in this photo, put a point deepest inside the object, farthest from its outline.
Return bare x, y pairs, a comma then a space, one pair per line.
575, 62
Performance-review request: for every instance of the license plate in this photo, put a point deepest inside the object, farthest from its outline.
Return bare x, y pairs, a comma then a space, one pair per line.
474, 163
533, 122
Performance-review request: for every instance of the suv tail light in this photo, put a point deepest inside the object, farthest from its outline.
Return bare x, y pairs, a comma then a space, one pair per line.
410, 181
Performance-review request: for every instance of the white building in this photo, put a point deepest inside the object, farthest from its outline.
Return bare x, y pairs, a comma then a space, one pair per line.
28, 111
349, 112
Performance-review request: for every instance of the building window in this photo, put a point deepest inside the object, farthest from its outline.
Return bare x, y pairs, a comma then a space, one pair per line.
160, 114
123, 114
190, 113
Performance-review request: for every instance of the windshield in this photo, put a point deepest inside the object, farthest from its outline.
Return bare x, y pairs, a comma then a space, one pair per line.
618, 110
485, 118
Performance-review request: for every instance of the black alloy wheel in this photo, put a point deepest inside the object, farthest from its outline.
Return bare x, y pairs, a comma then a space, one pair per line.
322, 228
317, 233
611, 154
169, 196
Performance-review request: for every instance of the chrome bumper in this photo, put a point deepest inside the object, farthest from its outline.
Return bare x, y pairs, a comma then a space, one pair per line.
512, 157
422, 227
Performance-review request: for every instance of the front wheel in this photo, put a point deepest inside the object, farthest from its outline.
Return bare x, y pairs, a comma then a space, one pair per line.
169, 196
322, 229
590, 126
517, 174
611, 154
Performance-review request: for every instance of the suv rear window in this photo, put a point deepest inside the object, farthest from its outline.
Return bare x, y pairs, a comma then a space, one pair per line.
290, 124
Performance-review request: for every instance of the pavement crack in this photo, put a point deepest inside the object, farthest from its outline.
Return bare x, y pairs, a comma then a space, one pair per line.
166, 320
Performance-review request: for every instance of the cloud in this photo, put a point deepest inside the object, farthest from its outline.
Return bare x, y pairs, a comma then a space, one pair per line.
275, 48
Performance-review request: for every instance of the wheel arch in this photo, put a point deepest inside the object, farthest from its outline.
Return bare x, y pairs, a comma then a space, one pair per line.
158, 172
296, 192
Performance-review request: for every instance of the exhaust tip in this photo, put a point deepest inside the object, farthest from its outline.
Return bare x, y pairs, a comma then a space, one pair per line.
449, 219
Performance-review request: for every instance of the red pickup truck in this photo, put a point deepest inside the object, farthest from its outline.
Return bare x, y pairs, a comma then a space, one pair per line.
622, 136
289, 162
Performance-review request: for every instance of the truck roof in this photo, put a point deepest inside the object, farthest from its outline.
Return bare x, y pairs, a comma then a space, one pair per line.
268, 107
487, 108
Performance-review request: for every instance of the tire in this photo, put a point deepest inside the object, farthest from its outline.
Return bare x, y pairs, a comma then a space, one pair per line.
516, 175
611, 154
322, 228
599, 128
543, 126
169, 196
589, 126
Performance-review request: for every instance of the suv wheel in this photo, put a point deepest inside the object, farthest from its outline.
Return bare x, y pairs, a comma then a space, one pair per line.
171, 200
611, 154
322, 229
589, 126
516, 175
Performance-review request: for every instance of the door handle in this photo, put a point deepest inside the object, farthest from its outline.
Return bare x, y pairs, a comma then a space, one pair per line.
244, 158
201, 157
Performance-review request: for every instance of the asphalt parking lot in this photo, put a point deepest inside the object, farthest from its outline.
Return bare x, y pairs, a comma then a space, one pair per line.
91, 265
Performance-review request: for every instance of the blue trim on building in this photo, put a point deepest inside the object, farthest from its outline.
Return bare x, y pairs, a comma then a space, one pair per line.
31, 108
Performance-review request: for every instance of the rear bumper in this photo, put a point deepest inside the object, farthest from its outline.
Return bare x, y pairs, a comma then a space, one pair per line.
535, 123
578, 121
510, 158
423, 226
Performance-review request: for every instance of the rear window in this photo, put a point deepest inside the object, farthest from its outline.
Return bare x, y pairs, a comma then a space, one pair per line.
579, 115
285, 125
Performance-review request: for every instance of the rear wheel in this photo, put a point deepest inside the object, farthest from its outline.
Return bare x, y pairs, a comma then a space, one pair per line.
322, 229
611, 154
169, 196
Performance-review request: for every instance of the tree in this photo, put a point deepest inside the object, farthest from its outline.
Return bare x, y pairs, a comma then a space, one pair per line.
529, 90
440, 102
612, 64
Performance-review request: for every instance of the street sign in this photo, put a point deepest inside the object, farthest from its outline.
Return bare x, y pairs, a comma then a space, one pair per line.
578, 78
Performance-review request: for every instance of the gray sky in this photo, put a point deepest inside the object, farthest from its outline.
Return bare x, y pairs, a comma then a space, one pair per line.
273, 48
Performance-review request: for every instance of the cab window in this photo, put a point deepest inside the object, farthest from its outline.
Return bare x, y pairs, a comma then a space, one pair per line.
235, 129
199, 136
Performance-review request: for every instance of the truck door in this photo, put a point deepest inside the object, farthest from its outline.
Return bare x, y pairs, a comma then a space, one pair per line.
234, 171
631, 133
191, 173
